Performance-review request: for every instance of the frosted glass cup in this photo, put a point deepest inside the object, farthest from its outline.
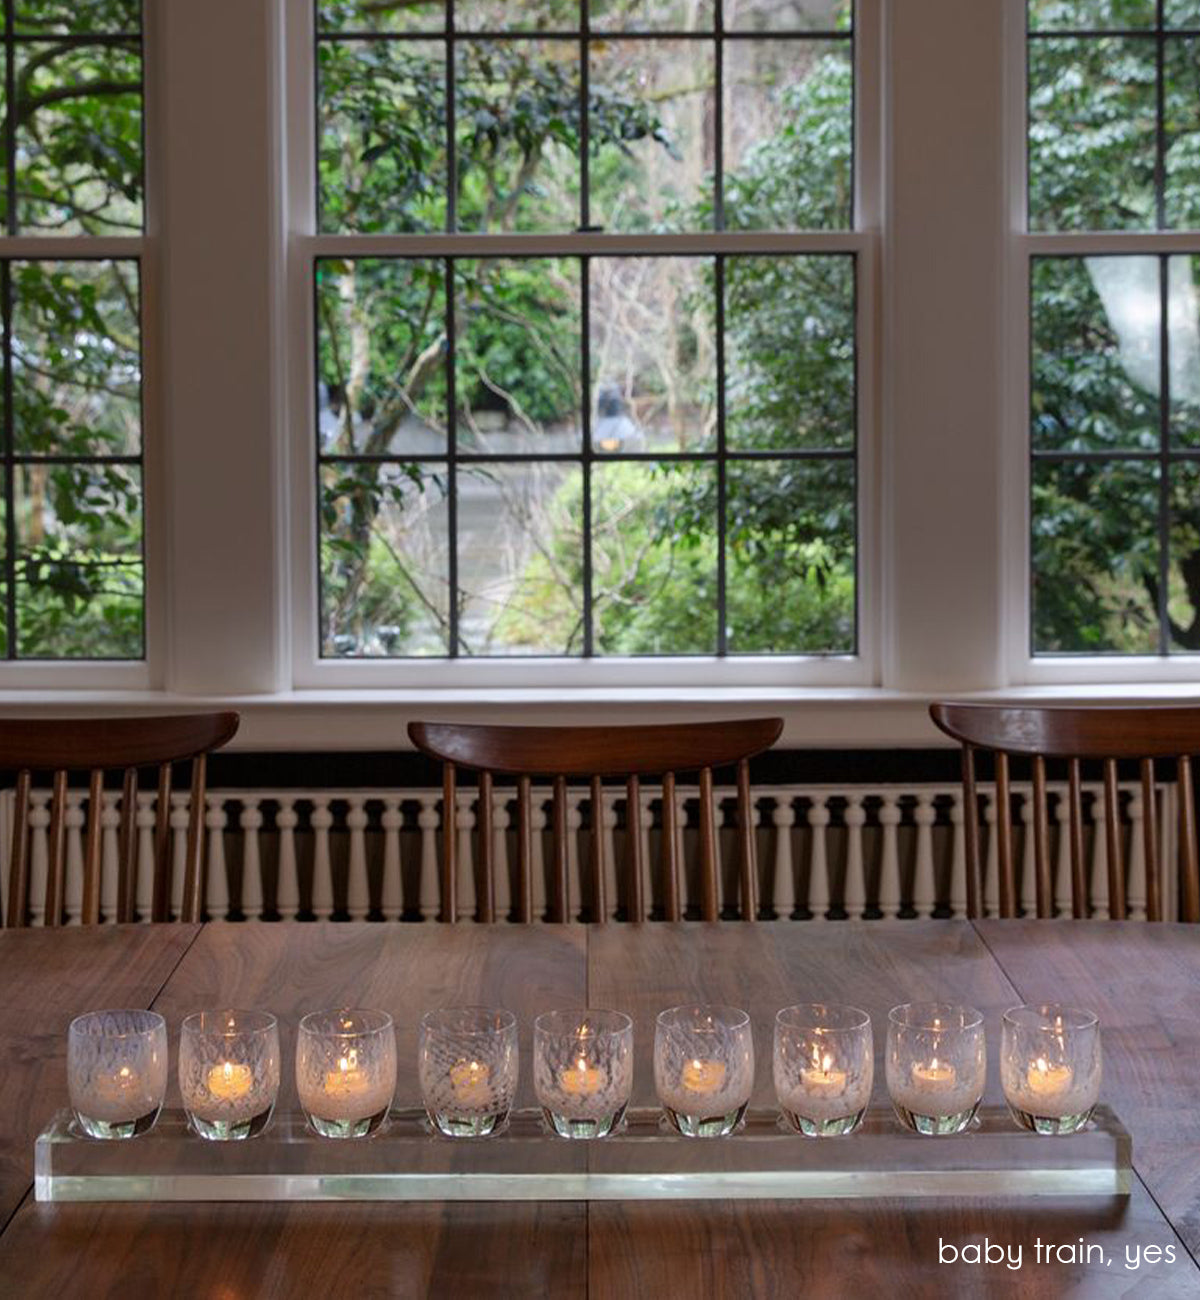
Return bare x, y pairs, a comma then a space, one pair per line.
229, 1072
346, 1071
467, 1062
704, 1068
1050, 1066
583, 1070
117, 1071
936, 1065
824, 1065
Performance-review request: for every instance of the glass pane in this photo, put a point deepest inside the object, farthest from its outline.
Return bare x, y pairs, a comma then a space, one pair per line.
528, 15
385, 570
381, 341
79, 139
651, 120
1182, 108
789, 15
77, 17
789, 553
382, 136
653, 354
651, 15
789, 134
79, 562
1182, 13
517, 107
520, 560
381, 16
1183, 348
1095, 557
1096, 361
1092, 134
76, 358
1092, 15
654, 558
1183, 608
789, 352
517, 356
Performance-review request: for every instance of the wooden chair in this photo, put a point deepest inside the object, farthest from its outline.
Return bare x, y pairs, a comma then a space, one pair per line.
1109, 734
596, 753
92, 745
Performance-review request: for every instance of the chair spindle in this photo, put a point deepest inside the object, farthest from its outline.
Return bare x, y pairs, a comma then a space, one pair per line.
90, 912
160, 905
747, 849
1041, 840
971, 831
127, 847
1150, 842
596, 853
634, 862
1004, 838
486, 821
1113, 842
1079, 889
710, 907
56, 876
560, 904
449, 844
1190, 891
524, 849
670, 849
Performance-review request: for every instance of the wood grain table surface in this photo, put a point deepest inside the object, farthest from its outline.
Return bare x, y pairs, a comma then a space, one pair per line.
1144, 982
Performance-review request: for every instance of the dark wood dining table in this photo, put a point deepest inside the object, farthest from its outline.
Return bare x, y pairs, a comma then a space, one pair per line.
1144, 982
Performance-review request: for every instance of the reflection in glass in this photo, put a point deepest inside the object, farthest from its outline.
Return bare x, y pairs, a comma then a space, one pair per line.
789, 134
650, 127
385, 573
1181, 106
1095, 557
371, 16
1181, 13
381, 340
1092, 114
1096, 353
517, 355
1183, 348
663, 15
789, 15
381, 137
789, 352
1091, 15
653, 354
1183, 608
527, 15
76, 17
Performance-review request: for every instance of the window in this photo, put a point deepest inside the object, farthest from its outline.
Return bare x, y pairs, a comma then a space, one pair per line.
586, 295
72, 578
1114, 146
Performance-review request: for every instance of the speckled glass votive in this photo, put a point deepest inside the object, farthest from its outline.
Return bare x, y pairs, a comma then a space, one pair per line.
824, 1065
229, 1072
1050, 1066
936, 1065
467, 1063
117, 1071
583, 1070
704, 1068
346, 1071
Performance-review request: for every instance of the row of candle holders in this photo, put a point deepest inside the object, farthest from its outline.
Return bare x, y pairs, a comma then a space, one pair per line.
229, 1067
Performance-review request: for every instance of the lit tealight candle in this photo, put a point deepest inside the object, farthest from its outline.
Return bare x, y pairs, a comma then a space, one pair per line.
1045, 1080
123, 1083
348, 1078
821, 1079
581, 1079
230, 1080
469, 1079
703, 1076
935, 1076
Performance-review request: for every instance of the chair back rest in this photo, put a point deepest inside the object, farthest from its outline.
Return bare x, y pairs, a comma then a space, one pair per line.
1108, 734
597, 753
62, 746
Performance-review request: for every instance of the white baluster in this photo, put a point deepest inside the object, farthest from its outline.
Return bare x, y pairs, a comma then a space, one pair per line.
889, 866
1135, 881
216, 903
574, 878
1062, 858
428, 890
39, 854
287, 887
465, 861
1026, 883
321, 819
74, 863
358, 891
110, 851
854, 889
538, 824
991, 869
144, 886
250, 821
502, 897
924, 899
783, 873
958, 857
1099, 867
391, 900
820, 889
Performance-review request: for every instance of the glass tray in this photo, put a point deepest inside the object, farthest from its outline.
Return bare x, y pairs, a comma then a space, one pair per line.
406, 1162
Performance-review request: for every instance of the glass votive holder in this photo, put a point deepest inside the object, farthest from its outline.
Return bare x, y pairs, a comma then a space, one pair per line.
117, 1071
704, 1068
583, 1070
824, 1063
346, 1071
1050, 1066
229, 1072
467, 1064
936, 1065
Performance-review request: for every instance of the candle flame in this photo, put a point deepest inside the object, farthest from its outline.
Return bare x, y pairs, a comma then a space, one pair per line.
349, 1061
124, 1072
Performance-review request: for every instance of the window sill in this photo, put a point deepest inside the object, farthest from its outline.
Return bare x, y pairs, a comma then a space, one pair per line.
830, 718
